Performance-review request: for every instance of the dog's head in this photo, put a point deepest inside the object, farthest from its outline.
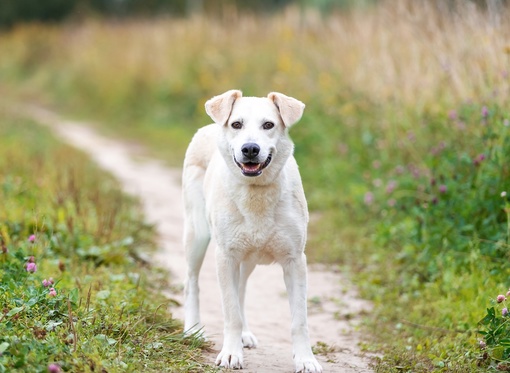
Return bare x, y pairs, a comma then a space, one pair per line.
254, 140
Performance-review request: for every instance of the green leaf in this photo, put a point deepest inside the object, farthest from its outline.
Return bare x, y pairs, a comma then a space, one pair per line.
489, 317
497, 353
51, 325
505, 342
3, 347
32, 301
74, 296
103, 294
102, 337
14, 311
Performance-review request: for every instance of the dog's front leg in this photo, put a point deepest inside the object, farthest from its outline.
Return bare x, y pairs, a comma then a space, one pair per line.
231, 355
295, 280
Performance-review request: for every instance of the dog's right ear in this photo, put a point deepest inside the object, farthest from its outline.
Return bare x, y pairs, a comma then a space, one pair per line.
220, 107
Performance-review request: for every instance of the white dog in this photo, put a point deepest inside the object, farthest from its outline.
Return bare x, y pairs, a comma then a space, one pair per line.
241, 182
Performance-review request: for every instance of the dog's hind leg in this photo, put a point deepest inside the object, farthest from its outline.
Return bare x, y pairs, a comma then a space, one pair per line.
196, 239
249, 339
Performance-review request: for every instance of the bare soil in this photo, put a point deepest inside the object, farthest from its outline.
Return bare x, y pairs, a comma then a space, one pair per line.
334, 306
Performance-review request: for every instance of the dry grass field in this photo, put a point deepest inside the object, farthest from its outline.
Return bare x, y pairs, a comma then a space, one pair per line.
402, 148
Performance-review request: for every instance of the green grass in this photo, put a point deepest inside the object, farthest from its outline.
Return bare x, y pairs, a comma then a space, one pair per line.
106, 311
403, 147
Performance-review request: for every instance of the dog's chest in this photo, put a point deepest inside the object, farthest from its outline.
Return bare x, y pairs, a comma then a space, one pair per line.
263, 225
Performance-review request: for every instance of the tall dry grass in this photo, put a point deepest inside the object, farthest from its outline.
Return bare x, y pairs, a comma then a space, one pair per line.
407, 52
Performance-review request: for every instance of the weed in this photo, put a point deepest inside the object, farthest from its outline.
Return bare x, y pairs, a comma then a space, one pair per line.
72, 297
402, 148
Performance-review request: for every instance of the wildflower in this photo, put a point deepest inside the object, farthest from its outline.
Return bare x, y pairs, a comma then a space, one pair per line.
504, 311
376, 164
479, 159
500, 298
503, 194
442, 188
392, 202
392, 184
31, 259
399, 170
48, 283
452, 115
482, 344
369, 198
54, 368
52, 292
508, 293
485, 112
31, 238
506, 122
31, 267
461, 126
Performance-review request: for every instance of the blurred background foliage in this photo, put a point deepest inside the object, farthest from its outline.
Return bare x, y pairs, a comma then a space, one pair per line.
403, 147
15, 11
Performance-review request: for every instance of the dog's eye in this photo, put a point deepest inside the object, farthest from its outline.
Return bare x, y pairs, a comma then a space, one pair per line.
237, 125
268, 125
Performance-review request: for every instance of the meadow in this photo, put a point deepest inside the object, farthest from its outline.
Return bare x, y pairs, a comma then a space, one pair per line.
75, 292
403, 147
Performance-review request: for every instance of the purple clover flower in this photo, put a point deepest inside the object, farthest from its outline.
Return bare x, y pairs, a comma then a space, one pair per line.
54, 368
392, 184
479, 159
369, 198
31, 267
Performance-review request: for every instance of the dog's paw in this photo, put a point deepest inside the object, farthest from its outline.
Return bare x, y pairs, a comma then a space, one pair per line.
230, 359
307, 365
249, 340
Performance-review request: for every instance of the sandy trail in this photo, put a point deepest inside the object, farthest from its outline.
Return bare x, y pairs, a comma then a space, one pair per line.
333, 305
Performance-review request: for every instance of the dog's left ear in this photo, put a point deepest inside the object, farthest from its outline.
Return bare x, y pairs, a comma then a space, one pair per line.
220, 107
291, 110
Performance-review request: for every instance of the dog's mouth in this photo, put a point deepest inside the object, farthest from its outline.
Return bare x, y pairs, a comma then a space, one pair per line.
252, 168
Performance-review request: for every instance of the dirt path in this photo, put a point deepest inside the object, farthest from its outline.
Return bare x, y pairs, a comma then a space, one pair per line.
333, 303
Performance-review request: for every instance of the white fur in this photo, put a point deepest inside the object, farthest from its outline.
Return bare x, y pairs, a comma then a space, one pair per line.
255, 219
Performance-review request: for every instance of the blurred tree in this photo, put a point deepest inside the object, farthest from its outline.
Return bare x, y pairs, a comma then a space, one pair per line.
13, 11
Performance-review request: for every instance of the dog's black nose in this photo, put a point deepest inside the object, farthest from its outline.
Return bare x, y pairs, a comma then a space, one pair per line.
250, 150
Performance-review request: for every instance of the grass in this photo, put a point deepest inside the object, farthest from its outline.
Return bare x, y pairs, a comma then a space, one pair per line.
402, 148
73, 291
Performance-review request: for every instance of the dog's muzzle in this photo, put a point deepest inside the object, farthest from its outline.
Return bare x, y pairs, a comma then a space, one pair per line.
251, 168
